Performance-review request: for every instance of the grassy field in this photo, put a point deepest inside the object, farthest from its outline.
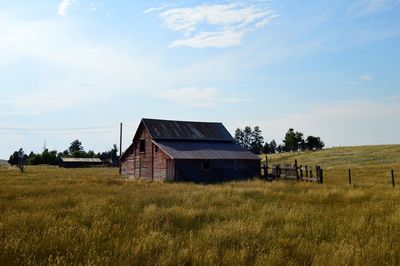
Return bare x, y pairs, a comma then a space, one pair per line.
370, 165
91, 216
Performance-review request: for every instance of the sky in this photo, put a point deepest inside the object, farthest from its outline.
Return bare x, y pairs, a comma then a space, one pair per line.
75, 69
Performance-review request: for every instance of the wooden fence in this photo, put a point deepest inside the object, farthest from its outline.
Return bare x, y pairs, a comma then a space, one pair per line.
293, 172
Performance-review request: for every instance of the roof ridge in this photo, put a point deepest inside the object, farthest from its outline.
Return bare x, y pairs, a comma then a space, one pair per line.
183, 121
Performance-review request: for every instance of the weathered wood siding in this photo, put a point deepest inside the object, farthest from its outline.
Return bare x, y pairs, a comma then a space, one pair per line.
151, 164
160, 164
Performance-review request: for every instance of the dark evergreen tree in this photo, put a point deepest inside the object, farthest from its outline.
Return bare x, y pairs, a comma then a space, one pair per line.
257, 140
114, 155
13, 160
314, 143
247, 137
239, 136
266, 148
76, 146
293, 140
22, 157
272, 146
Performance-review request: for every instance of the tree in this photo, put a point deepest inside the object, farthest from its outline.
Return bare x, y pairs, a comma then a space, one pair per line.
13, 159
280, 148
114, 155
79, 154
21, 159
257, 140
247, 137
239, 136
266, 148
272, 146
46, 156
110, 156
76, 146
293, 140
91, 154
314, 143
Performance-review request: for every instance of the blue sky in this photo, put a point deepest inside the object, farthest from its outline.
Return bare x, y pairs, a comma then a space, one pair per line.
74, 69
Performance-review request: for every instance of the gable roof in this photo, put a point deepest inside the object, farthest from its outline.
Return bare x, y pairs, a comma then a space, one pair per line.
192, 140
205, 150
186, 130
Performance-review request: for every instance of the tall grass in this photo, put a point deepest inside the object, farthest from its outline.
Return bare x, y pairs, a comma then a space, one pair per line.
91, 216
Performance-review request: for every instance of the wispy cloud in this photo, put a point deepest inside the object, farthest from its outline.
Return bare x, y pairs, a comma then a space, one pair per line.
364, 8
197, 97
361, 79
63, 7
219, 25
365, 77
211, 39
155, 9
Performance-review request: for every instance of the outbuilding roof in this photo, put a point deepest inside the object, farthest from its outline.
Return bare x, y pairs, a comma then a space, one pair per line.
81, 160
205, 150
186, 130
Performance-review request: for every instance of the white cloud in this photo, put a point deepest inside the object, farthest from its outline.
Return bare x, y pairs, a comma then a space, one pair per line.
219, 25
361, 79
67, 58
364, 8
63, 7
211, 39
365, 77
196, 97
155, 9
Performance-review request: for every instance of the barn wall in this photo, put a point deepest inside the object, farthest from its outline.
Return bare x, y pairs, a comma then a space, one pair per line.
128, 166
220, 170
160, 164
138, 164
150, 164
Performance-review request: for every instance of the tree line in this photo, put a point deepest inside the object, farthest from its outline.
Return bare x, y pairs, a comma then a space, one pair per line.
52, 157
252, 139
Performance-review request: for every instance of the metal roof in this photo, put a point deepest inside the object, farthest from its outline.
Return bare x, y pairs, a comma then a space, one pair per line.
205, 150
186, 130
81, 160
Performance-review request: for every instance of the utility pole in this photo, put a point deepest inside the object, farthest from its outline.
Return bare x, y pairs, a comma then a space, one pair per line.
120, 148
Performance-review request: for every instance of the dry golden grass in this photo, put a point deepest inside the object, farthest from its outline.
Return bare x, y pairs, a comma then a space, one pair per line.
91, 216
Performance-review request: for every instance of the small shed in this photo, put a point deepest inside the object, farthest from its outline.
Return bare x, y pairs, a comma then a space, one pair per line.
80, 162
187, 151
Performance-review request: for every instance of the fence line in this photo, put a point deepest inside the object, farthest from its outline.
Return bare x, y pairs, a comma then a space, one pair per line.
293, 172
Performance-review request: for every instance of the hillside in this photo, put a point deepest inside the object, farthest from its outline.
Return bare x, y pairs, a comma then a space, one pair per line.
343, 156
370, 165
93, 216
3, 162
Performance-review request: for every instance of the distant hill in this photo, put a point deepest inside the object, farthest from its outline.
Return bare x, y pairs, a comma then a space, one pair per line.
3, 162
343, 157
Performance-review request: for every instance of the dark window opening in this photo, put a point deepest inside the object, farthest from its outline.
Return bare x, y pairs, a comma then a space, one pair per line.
142, 145
156, 148
206, 165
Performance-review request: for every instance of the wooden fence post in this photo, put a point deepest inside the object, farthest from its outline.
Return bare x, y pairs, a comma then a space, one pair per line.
306, 170
295, 169
349, 176
321, 176
393, 184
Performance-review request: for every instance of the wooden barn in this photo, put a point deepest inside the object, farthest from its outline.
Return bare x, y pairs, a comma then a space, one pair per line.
187, 151
80, 162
